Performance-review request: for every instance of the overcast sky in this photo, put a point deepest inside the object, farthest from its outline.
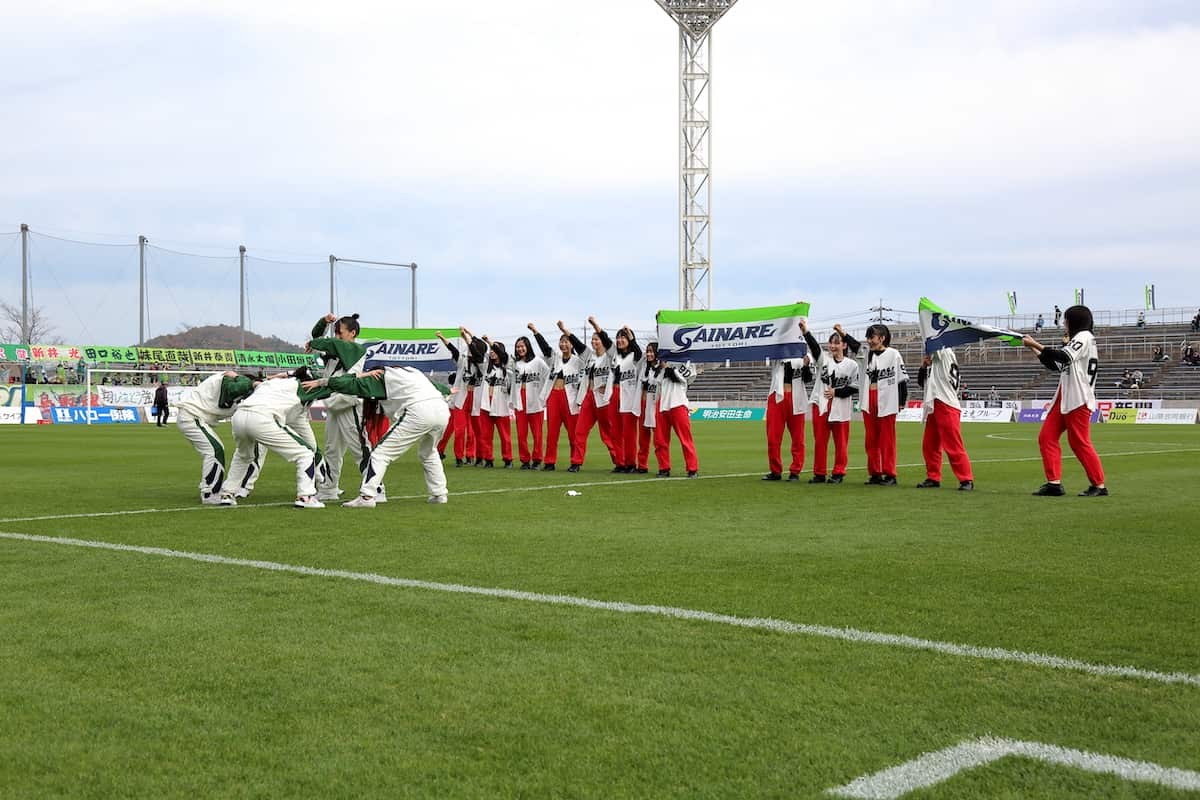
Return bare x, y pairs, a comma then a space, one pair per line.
525, 155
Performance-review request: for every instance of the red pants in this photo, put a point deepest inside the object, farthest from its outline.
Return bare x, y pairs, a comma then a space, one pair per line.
679, 419
626, 438
589, 415
881, 440
943, 431
558, 415
645, 434
779, 417
486, 446
822, 428
461, 427
527, 423
1077, 424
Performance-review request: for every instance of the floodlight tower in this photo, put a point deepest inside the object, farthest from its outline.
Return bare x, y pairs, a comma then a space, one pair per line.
695, 19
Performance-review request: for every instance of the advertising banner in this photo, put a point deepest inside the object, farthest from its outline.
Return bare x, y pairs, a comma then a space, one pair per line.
137, 395
1122, 416
1031, 415
1167, 416
102, 415
204, 357
13, 352
10, 415
54, 352
1013, 404
742, 334
109, 355
730, 414
987, 415
410, 347
911, 414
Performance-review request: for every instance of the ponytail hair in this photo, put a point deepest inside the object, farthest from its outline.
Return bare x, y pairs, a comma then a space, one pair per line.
879, 329
349, 323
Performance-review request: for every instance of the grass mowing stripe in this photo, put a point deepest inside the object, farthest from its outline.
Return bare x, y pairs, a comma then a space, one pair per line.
514, 489
777, 625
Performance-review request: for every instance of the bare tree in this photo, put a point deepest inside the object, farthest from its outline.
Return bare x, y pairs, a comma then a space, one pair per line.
40, 329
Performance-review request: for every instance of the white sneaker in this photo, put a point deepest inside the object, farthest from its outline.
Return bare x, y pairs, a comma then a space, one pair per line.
210, 499
308, 502
360, 502
242, 493
381, 495
227, 500
438, 499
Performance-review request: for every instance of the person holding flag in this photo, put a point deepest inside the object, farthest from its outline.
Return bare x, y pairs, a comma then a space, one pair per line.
1076, 363
943, 421
832, 401
787, 400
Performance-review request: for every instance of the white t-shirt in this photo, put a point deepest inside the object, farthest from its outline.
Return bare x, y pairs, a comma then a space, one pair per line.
1077, 378
835, 375
885, 371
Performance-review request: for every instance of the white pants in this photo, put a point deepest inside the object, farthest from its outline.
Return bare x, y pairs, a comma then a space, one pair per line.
252, 431
422, 424
343, 431
212, 452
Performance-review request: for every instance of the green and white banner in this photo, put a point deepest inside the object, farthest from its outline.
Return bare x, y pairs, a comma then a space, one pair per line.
408, 347
741, 334
942, 329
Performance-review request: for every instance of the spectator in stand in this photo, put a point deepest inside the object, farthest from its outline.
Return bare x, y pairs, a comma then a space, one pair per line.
1158, 354
1191, 357
1041, 323
1126, 379
61, 372
1196, 323
1135, 384
994, 396
1141, 319
1057, 316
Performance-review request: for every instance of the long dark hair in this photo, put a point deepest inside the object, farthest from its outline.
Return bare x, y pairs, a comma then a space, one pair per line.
1076, 319
501, 353
630, 339
528, 348
652, 347
349, 323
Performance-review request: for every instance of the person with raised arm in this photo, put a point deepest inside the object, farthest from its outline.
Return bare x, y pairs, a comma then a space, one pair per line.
836, 383
787, 400
561, 395
529, 372
596, 407
468, 374
494, 406
626, 361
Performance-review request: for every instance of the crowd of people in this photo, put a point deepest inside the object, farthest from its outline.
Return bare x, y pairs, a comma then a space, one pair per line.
636, 400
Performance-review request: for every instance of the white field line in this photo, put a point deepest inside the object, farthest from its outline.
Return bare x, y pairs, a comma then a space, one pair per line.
760, 623
547, 487
931, 768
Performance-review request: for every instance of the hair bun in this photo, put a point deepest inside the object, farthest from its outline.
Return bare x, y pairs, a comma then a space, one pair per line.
354, 316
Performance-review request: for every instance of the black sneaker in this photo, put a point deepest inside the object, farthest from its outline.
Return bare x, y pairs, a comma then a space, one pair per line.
887, 480
441, 455
641, 470
792, 476
489, 464
966, 486
1050, 490
695, 473
1094, 491
574, 468
536, 464
618, 470
874, 480
547, 468
664, 473
525, 465
817, 479
836, 478
508, 463
479, 462
929, 483
772, 476
458, 462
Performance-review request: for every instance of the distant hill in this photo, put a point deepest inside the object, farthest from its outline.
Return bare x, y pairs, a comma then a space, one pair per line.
222, 337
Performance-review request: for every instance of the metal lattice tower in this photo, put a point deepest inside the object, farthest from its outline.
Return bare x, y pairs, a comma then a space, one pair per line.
695, 19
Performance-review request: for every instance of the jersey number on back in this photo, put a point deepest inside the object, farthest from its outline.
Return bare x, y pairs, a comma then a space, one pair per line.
1092, 365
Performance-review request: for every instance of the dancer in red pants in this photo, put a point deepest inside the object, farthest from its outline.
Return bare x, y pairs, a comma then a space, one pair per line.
467, 376
787, 400
887, 393
1076, 363
650, 375
674, 415
529, 373
495, 413
833, 395
627, 361
943, 421
598, 391
560, 393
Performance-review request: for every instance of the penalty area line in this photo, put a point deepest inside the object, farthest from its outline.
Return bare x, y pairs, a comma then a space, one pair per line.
853, 635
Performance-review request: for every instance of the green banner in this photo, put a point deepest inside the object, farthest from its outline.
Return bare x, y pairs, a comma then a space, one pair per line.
733, 314
407, 334
212, 356
108, 355
730, 414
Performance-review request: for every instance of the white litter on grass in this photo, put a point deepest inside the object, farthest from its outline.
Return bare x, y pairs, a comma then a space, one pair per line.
573, 493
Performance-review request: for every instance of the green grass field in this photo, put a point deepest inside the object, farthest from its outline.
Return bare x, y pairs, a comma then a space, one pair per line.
136, 674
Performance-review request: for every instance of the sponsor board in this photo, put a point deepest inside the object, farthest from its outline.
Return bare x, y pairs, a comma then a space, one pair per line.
1013, 404
911, 414
138, 395
1167, 416
734, 414
987, 415
1031, 414
11, 415
1121, 416
102, 415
